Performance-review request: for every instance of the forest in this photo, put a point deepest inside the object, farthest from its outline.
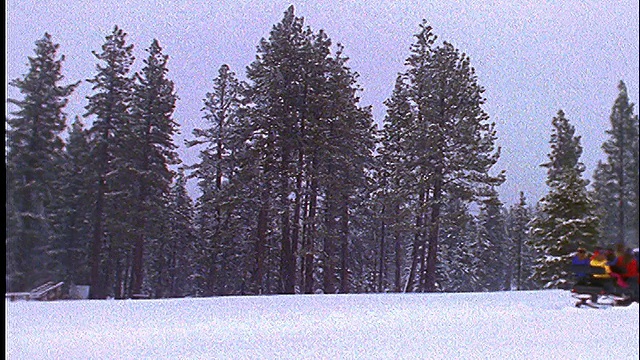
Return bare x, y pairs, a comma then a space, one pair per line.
300, 191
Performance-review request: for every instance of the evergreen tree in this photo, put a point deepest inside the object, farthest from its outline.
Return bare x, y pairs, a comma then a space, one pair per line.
494, 250
33, 152
391, 177
110, 131
151, 153
346, 158
567, 219
305, 143
604, 199
73, 220
616, 186
218, 206
279, 93
449, 143
461, 267
172, 256
518, 221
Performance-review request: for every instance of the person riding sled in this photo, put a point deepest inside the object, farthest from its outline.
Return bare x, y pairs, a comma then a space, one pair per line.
605, 280
626, 270
581, 259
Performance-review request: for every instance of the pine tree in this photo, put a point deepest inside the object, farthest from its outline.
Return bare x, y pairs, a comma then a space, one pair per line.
217, 206
33, 152
172, 258
306, 145
279, 92
151, 153
110, 131
449, 146
518, 221
616, 187
391, 176
73, 220
460, 268
567, 219
494, 249
604, 197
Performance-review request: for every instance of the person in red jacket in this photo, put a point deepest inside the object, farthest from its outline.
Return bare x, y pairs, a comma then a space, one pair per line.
627, 268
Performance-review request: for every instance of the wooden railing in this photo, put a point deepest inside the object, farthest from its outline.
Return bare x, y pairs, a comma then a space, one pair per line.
46, 291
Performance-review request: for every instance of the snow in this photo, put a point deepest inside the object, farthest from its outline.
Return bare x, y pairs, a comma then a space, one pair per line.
507, 325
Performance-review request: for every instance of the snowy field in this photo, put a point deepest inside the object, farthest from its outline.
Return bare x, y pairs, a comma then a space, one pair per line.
507, 325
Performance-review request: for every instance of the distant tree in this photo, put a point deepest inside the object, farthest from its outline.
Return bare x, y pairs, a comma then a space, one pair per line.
33, 152
566, 219
494, 250
449, 147
110, 131
518, 220
183, 239
369, 248
615, 186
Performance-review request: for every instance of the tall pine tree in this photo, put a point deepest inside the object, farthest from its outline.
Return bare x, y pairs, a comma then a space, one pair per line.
151, 153
566, 220
33, 156
73, 215
615, 186
110, 131
449, 147
300, 152
219, 205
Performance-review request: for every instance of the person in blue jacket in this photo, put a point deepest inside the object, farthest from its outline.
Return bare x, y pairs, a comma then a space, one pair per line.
581, 258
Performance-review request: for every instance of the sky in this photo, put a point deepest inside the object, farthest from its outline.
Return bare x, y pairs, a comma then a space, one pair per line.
532, 57
505, 325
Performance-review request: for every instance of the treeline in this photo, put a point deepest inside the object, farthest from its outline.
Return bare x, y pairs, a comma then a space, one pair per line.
300, 192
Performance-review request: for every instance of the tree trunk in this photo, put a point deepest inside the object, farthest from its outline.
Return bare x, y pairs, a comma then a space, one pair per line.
261, 242
286, 253
310, 239
519, 263
621, 193
96, 288
329, 268
137, 266
434, 230
398, 260
418, 245
295, 231
381, 270
140, 223
344, 253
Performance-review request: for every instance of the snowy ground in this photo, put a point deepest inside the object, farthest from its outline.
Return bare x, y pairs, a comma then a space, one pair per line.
507, 325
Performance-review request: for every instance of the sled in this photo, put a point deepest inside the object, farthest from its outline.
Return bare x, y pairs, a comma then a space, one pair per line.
590, 293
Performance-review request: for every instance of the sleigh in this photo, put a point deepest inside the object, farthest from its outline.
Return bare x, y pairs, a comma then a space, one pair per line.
593, 292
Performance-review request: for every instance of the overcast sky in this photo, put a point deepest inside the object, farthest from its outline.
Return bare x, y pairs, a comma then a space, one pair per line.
533, 58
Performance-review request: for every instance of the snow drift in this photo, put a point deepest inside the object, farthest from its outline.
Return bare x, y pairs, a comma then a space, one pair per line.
527, 324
